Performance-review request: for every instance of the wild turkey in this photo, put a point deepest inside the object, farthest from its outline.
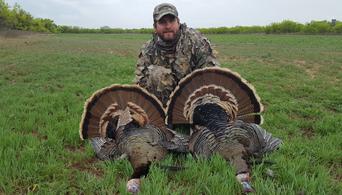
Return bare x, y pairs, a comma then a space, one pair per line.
132, 121
224, 112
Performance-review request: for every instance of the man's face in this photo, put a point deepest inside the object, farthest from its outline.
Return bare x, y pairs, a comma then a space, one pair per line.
167, 27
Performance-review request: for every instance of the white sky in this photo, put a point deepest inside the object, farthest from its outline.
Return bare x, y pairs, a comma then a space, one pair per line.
195, 13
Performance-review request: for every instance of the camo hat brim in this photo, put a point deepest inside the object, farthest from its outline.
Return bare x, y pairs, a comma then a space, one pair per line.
163, 10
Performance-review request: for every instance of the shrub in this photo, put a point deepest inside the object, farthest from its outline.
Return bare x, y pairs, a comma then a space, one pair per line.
286, 26
318, 27
273, 28
338, 27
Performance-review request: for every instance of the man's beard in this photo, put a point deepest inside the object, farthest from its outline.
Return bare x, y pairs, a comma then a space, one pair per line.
168, 43
168, 36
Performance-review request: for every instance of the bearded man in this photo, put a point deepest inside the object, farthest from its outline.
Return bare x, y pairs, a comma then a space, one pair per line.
174, 51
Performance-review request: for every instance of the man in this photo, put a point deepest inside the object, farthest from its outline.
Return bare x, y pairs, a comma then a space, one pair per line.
174, 51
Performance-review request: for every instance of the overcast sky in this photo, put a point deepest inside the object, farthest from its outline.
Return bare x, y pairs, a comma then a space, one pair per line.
195, 13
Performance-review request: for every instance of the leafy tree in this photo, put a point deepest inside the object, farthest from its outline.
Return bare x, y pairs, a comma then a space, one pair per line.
19, 19
318, 27
286, 26
4, 14
338, 27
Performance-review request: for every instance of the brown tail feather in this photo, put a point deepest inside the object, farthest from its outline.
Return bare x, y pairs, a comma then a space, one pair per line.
247, 100
252, 118
122, 95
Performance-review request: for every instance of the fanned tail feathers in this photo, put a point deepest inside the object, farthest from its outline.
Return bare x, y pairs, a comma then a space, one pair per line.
107, 104
214, 85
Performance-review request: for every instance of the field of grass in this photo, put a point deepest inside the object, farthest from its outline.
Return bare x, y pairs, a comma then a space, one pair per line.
45, 79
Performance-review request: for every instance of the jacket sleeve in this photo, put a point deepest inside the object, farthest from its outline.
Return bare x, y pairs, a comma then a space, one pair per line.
204, 54
141, 69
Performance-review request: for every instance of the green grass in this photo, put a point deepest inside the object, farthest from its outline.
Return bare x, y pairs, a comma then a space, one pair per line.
45, 79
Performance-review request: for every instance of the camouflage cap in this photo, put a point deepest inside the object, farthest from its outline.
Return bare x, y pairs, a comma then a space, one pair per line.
164, 9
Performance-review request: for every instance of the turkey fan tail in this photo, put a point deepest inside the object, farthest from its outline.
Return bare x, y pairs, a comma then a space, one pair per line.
252, 118
214, 85
106, 104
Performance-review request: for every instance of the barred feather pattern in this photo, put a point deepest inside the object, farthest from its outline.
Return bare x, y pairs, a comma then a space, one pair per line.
236, 141
178, 143
108, 148
254, 138
105, 148
132, 130
203, 142
141, 144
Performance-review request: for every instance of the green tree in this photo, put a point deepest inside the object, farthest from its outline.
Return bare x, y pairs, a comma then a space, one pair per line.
19, 19
286, 26
318, 27
23, 20
4, 14
338, 27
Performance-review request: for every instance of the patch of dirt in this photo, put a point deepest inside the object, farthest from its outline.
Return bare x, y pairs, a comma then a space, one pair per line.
301, 192
300, 62
290, 135
311, 69
87, 165
299, 116
39, 135
233, 59
80, 148
12, 72
312, 72
336, 172
308, 132
34, 133
338, 178
332, 53
17, 33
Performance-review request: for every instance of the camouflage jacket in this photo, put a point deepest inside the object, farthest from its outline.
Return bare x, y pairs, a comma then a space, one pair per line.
159, 72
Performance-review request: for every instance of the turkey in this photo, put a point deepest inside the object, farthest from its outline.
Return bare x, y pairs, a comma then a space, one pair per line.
224, 113
132, 121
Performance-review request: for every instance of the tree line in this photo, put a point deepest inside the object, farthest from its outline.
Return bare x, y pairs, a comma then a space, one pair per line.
284, 27
19, 19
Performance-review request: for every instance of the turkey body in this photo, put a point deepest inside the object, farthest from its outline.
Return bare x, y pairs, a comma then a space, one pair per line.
142, 145
236, 141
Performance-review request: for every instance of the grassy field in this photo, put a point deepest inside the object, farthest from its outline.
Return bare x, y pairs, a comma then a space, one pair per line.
45, 79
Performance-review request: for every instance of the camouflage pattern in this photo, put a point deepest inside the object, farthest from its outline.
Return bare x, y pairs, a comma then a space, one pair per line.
164, 9
159, 71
